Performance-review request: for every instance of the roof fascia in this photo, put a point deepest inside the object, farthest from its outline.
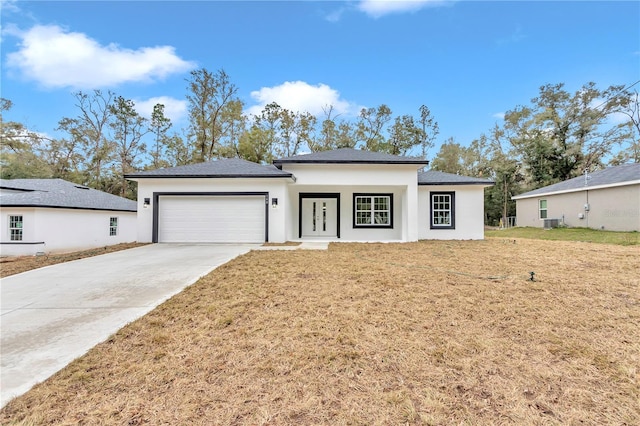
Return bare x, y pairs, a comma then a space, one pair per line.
218, 176
487, 184
46, 206
20, 189
584, 188
404, 162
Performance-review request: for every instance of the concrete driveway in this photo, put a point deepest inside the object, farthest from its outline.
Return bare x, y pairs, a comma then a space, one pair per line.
51, 316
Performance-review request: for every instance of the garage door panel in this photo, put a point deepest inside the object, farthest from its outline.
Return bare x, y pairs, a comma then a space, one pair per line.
218, 219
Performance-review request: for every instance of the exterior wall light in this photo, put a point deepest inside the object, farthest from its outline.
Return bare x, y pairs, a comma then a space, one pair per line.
146, 203
274, 202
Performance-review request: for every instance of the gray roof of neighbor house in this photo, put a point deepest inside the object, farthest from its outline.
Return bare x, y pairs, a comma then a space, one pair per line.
432, 177
613, 176
349, 156
222, 168
58, 193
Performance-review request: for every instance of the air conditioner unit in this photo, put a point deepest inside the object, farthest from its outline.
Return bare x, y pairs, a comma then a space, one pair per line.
551, 223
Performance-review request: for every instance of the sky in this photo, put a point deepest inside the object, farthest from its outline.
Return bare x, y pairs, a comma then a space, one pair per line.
468, 61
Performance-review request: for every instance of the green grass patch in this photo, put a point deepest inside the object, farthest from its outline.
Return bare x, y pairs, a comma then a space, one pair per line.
568, 234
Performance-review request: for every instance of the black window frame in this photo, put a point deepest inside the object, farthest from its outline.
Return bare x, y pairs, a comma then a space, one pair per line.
452, 209
372, 225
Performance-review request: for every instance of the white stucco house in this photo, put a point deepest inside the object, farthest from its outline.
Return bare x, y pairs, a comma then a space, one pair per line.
53, 215
606, 199
340, 195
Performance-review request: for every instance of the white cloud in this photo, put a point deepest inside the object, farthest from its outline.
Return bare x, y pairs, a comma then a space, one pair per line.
335, 15
300, 96
613, 118
498, 115
378, 8
616, 118
174, 109
57, 58
9, 6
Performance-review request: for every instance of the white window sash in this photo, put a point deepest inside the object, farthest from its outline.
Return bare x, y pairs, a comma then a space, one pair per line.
441, 203
376, 217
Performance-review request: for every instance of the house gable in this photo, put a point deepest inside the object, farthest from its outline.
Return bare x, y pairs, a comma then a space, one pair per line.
349, 156
625, 174
223, 168
607, 199
345, 195
53, 215
58, 193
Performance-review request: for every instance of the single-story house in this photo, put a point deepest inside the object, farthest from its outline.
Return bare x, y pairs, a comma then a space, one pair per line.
53, 215
606, 199
340, 195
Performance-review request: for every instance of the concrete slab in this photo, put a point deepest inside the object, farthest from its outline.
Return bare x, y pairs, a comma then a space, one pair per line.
304, 245
53, 315
314, 245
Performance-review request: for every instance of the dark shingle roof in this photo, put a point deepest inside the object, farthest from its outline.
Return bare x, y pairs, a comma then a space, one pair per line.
60, 194
350, 156
223, 168
601, 178
432, 177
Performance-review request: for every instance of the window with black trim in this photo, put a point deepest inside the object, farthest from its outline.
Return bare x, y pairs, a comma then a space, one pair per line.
373, 210
113, 226
15, 228
443, 213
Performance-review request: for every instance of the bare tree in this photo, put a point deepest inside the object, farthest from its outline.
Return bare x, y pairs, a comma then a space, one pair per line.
208, 95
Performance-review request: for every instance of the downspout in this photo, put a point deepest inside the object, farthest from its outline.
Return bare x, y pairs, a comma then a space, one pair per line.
587, 209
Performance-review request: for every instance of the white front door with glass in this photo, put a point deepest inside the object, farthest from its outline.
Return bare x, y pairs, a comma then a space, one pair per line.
319, 217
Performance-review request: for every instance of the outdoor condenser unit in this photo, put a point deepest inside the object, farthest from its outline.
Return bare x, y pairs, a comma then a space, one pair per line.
551, 223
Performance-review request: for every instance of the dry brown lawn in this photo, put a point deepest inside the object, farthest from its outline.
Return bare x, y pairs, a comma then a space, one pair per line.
374, 334
16, 265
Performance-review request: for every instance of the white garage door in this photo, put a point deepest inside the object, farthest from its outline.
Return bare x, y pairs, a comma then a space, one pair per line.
211, 219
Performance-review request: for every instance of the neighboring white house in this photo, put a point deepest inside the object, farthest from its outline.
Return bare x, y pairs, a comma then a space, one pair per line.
53, 215
340, 195
606, 199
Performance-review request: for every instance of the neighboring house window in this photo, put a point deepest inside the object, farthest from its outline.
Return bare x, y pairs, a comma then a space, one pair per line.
373, 210
113, 226
443, 214
15, 228
543, 209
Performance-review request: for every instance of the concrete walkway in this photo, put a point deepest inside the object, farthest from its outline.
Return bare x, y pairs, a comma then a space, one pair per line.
53, 315
304, 245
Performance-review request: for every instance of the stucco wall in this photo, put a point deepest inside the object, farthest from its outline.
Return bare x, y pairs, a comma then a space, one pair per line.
347, 179
613, 209
469, 213
347, 231
410, 201
65, 229
276, 187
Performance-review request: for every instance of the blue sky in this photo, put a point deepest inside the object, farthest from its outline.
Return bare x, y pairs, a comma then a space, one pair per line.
468, 61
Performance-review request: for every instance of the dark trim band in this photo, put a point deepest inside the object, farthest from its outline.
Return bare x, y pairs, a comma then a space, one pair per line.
302, 195
156, 212
454, 183
372, 195
217, 176
452, 209
6, 206
26, 243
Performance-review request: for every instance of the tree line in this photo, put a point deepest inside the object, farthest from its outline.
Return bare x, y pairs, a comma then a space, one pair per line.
557, 136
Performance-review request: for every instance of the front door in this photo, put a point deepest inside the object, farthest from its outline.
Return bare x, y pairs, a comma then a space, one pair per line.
319, 217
